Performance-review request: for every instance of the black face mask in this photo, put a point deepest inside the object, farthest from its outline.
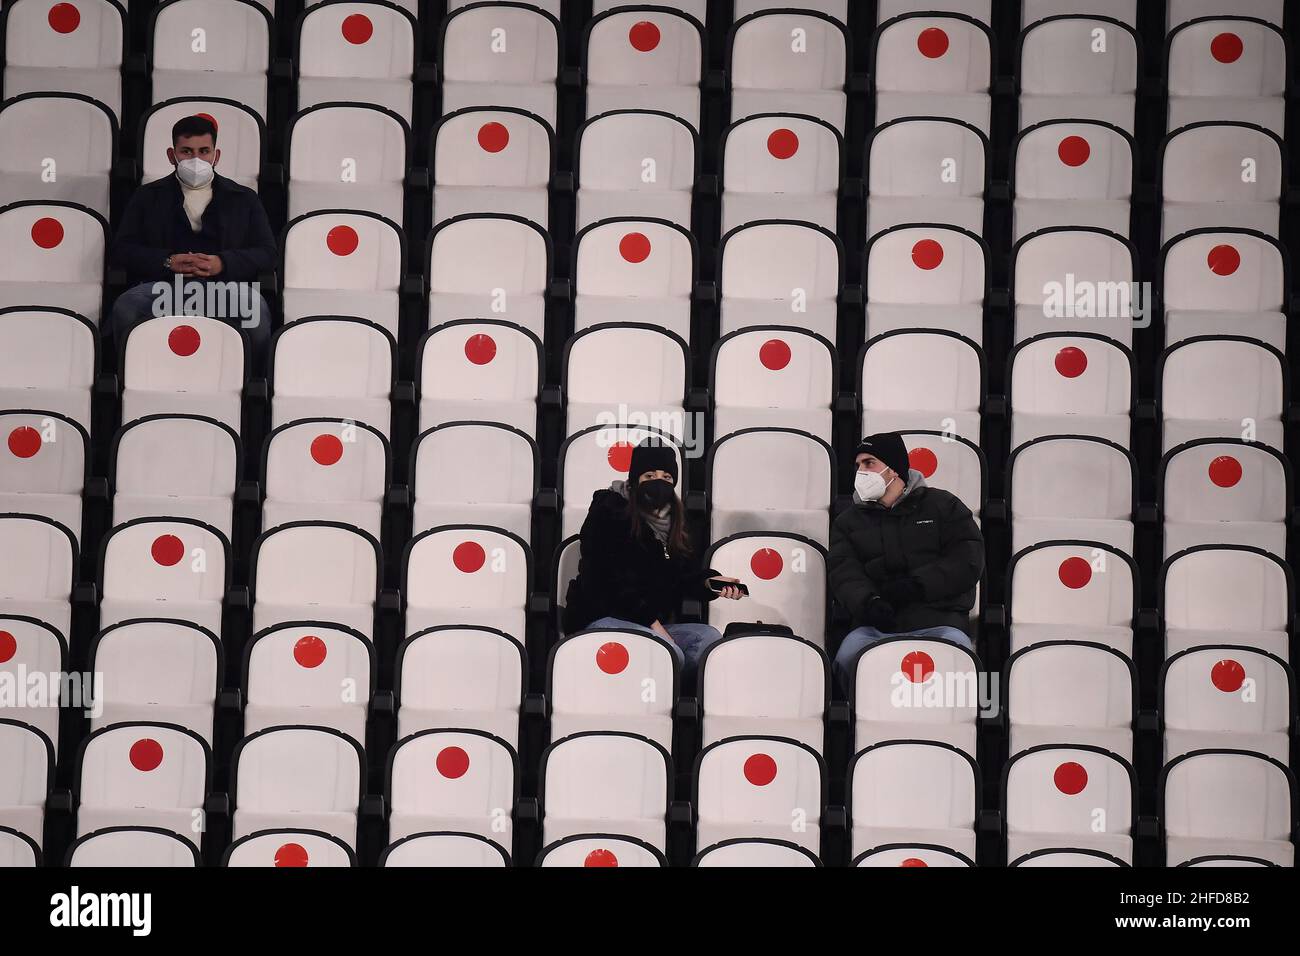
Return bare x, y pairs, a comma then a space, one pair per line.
654, 494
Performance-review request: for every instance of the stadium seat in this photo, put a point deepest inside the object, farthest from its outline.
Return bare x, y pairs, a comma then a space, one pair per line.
786, 577
597, 850
626, 373
927, 277
1077, 280
754, 852
54, 257
76, 46
915, 688
444, 849
308, 673
837, 10
18, 850
325, 469
1078, 67
1063, 384
343, 264
347, 156
480, 370
336, 367
461, 676
644, 59
49, 359
754, 786
1077, 796
211, 48
189, 365
696, 8
767, 685
132, 847
1072, 487
1224, 282
315, 571
29, 646
980, 10
1067, 856
362, 52
28, 758
1125, 11
1227, 697
926, 170
1226, 593
38, 561
174, 568
950, 462
467, 574
794, 496
789, 61
1221, 175
773, 376
1071, 692
1080, 591
483, 472
635, 270
927, 64
1222, 491
489, 266
499, 54
283, 847
57, 146
307, 778
157, 671
616, 783
911, 855
492, 161
780, 273
1180, 11
176, 466
781, 166
592, 459
1227, 802
44, 466
143, 774
909, 792
461, 780
1224, 386
917, 379
635, 163
1072, 173
1229, 68
611, 679
241, 137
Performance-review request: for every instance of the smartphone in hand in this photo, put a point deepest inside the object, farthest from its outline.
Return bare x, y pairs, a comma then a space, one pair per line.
716, 585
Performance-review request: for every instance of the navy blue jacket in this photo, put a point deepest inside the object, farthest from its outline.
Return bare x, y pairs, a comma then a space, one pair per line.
155, 226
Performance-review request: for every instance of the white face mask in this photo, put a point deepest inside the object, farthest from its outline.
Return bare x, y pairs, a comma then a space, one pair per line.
870, 485
195, 173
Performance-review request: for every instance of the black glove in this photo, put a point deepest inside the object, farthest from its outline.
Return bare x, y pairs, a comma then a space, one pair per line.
879, 614
902, 591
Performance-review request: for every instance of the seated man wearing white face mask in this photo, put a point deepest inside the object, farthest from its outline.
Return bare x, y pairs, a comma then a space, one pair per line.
195, 243
904, 559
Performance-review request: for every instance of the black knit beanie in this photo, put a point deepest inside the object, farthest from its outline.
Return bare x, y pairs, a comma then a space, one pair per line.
651, 455
889, 448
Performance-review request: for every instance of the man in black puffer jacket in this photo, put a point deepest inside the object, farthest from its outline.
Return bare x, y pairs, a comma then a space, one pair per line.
905, 558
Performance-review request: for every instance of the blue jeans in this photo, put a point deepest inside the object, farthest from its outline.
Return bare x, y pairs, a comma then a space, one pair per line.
688, 643
860, 638
141, 302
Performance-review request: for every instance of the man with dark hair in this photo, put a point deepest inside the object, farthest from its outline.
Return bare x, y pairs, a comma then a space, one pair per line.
195, 243
905, 558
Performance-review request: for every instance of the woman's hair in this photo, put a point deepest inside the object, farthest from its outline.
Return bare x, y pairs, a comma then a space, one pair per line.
679, 540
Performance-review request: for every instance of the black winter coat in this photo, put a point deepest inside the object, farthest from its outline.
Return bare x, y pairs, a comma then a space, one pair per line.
234, 227
631, 579
928, 534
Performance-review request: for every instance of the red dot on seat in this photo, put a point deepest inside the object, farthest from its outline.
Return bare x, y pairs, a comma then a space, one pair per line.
644, 36
923, 460
1225, 471
64, 18
167, 550
927, 254
47, 232
146, 754
932, 42
357, 28
1228, 676
1226, 47
1074, 150
913, 861
309, 651
480, 348
619, 456
1074, 572
760, 770
1223, 260
24, 441
493, 137
774, 354
917, 666
452, 762
8, 647
634, 247
326, 449
612, 657
600, 857
1070, 778
1071, 361
782, 143
766, 564
291, 854
210, 118
342, 240
468, 556
184, 340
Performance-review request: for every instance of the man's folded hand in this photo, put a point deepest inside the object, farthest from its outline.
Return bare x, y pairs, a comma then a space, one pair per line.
902, 591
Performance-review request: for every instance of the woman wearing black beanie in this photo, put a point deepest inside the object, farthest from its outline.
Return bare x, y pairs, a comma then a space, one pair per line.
636, 564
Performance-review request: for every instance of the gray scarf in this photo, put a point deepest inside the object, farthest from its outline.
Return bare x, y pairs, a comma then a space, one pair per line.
660, 521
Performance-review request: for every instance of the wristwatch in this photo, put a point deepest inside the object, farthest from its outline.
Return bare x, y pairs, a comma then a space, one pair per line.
167, 263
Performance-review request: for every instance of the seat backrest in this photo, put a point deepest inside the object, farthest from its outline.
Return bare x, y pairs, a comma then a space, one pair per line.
453, 667
1221, 480
950, 462
211, 36
612, 672
1125, 11
636, 151
1180, 11
56, 134
475, 463
343, 250
47, 349
467, 566
783, 261
771, 367
37, 559
454, 773
1072, 476
639, 365
492, 147
326, 460
176, 455
1071, 375
926, 157
1070, 684
241, 137
914, 680
1233, 689
1221, 162
173, 559
297, 769
788, 50
635, 258
1227, 794
1226, 588
981, 10
797, 466
188, 353
763, 780
1062, 790
648, 48
782, 154
44, 453
764, 676
78, 35
336, 357
1078, 56
499, 43
28, 760
317, 562
1224, 270
1073, 159
926, 265
309, 665
158, 662
935, 371
1222, 377
141, 846
1085, 584
914, 784
481, 255
926, 53
487, 360
1048, 267
605, 776
51, 242
356, 39
134, 765
1231, 56
786, 577
348, 143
